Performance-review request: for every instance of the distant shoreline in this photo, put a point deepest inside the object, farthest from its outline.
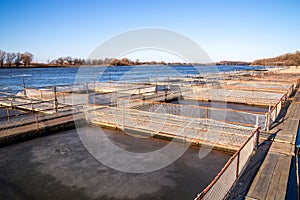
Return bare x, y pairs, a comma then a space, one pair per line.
78, 66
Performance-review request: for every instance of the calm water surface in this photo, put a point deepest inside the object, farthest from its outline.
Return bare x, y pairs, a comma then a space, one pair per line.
11, 79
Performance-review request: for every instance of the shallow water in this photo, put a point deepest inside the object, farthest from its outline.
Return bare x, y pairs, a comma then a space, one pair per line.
58, 166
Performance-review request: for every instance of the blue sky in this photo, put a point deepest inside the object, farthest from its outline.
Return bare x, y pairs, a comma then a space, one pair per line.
226, 30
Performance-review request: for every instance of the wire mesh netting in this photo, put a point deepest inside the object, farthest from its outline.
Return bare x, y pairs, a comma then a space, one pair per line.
208, 130
220, 186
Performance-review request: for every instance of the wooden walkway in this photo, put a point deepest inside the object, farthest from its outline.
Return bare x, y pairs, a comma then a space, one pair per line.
40, 106
19, 129
267, 174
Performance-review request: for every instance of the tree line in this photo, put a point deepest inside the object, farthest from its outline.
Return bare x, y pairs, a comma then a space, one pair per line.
289, 59
15, 59
68, 61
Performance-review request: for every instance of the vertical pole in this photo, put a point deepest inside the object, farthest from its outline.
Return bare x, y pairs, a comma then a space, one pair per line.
31, 105
87, 88
206, 112
124, 116
24, 87
156, 83
8, 114
87, 92
95, 86
55, 98
268, 121
237, 166
257, 138
152, 106
257, 123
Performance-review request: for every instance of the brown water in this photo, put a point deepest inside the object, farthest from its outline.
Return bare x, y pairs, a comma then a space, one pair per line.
59, 167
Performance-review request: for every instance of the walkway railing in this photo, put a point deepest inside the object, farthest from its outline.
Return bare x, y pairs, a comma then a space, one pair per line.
222, 183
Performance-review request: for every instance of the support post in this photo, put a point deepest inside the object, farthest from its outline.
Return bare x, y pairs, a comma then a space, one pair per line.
237, 166
152, 106
124, 116
31, 105
268, 121
55, 99
24, 86
257, 123
156, 83
8, 114
257, 138
87, 88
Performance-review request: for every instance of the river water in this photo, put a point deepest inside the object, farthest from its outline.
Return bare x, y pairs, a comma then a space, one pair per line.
11, 79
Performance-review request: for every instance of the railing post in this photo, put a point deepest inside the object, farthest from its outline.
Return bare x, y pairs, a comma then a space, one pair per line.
257, 138
268, 125
31, 105
256, 123
237, 165
124, 116
55, 99
24, 87
8, 114
152, 106
87, 88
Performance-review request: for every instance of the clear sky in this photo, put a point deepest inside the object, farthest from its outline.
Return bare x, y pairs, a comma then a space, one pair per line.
225, 29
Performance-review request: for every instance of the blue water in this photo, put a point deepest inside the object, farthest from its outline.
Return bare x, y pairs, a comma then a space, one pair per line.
11, 79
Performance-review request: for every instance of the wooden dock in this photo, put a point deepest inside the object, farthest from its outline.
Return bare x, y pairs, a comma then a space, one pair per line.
268, 172
38, 124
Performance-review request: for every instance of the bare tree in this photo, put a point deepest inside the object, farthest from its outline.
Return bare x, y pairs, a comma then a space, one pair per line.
10, 58
27, 58
2, 57
18, 59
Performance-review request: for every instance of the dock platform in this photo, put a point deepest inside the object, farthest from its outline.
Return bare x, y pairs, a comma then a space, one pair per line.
268, 172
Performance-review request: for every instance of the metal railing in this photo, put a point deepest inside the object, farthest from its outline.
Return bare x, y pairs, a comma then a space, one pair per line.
223, 182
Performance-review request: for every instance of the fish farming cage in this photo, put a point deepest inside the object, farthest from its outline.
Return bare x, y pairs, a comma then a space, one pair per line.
230, 116
263, 86
196, 130
222, 183
233, 96
30, 118
273, 78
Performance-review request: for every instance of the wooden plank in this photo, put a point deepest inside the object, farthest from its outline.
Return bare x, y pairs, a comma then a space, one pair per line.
284, 177
275, 184
258, 189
